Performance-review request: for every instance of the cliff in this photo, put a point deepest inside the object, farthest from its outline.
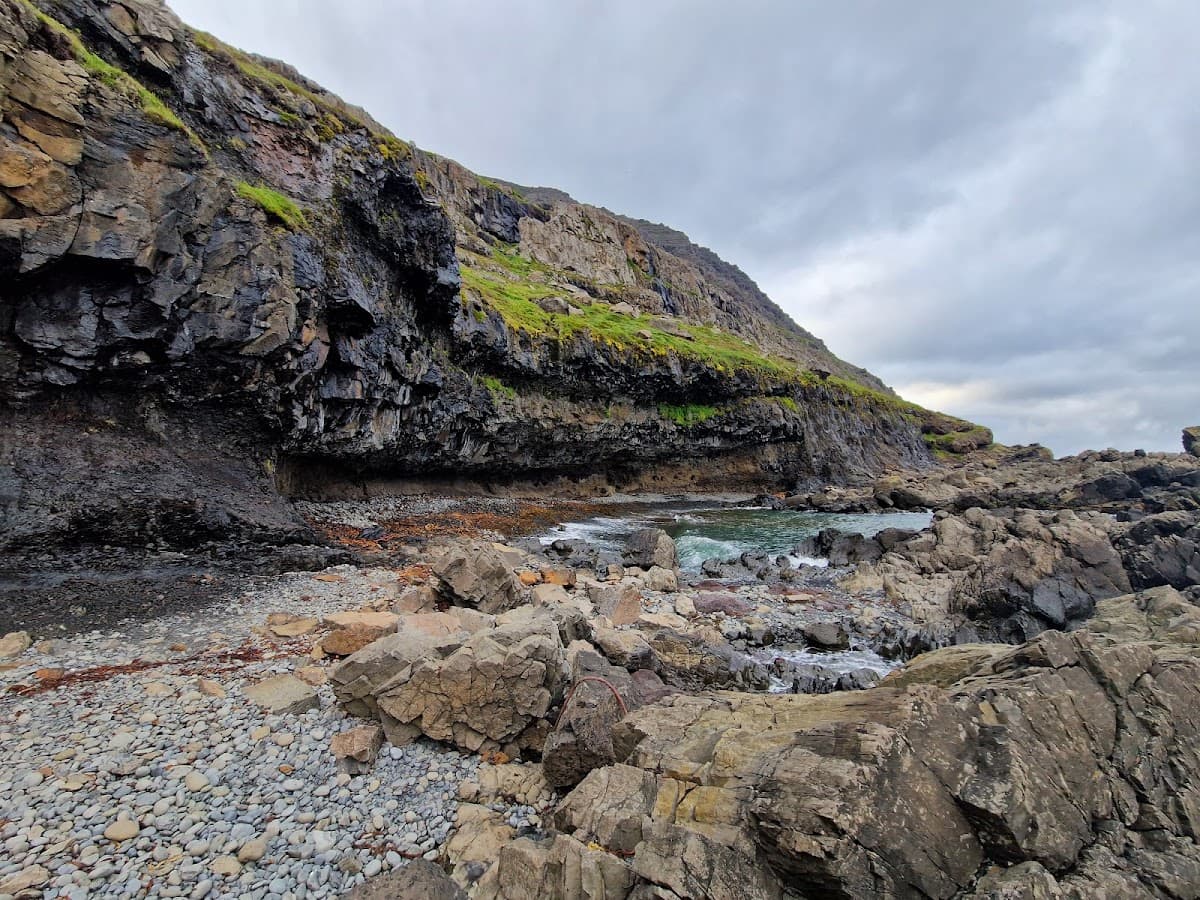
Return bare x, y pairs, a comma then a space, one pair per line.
219, 279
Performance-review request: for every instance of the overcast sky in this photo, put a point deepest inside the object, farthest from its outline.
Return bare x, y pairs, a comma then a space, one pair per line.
993, 206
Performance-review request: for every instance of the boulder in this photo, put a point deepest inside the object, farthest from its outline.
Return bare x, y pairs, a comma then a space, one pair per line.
14, 644
650, 547
826, 635
477, 692
624, 647
620, 603
727, 604
283, 695
582, 737
1163, 549
1191, 440
478, 576
416, 599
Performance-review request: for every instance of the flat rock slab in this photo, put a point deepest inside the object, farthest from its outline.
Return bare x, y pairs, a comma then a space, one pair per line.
283, 695
419, 880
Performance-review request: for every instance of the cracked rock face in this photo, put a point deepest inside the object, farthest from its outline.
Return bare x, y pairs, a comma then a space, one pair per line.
1063, 768
248, 265
480, 692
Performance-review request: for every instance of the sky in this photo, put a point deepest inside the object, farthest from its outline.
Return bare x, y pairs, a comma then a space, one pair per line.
995, 207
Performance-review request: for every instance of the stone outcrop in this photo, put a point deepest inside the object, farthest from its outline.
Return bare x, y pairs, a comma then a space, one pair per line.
1009, 573
1063, 768
649, 548
292, 295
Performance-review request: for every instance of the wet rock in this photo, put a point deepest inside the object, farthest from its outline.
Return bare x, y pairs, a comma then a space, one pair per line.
826, 635
650, 547
1163, 549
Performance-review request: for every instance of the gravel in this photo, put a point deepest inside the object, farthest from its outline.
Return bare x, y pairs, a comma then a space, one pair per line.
140, 784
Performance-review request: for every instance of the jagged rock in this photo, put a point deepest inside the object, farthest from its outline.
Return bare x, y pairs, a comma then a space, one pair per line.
334, 335
354, 630
582, 737
1163, 549
479, 834
1157, 614
1191, 440
620, 603
687, 661
1041, 773
357, 749
1010, 574
419, 598
477, 576
626, 648
478, 692
419, 879
650, 547
946, 666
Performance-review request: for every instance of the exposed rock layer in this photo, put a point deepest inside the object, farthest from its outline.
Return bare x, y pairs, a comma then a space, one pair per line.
201, 248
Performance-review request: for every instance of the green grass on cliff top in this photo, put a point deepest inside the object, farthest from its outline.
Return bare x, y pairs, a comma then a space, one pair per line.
515, 301
119, 79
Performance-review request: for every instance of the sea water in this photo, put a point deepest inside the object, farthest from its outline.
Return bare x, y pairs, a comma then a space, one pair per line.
707, 529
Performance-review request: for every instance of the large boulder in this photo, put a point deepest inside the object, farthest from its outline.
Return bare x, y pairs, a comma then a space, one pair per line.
477, 691
478, 576
651, 547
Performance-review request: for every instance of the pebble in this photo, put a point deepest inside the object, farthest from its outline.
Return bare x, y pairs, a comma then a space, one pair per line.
154, 784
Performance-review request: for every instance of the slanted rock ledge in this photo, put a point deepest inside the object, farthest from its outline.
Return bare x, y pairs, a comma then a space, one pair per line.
1068, 767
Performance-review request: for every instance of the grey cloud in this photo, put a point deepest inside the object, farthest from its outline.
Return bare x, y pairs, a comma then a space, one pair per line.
993, 206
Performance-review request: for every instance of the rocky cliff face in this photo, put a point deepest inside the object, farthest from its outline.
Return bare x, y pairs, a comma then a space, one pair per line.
213, 269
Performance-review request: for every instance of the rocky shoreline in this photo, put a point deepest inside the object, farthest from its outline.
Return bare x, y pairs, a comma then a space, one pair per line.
540, 720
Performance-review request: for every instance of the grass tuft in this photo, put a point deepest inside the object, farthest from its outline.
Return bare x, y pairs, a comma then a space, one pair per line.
692, 414
274, 204
497, 387
120, 80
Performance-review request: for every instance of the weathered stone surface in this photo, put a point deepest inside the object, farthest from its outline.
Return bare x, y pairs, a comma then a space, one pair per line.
479, 577
14, 644
357, 749
1042, 772
1191, 440
620, 603
826, 635
283, 695
344, 342
477, 691
651, 547
420, 879
1009, 573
